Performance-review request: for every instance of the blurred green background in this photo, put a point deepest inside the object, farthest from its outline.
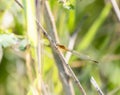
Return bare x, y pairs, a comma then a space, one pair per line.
98, 36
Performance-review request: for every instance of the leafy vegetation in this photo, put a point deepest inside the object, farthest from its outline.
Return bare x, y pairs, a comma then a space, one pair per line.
97, 31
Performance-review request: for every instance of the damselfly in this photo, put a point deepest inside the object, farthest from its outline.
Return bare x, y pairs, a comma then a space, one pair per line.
81, 56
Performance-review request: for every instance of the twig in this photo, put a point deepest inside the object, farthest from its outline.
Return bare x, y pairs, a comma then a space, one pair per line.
50, 22
92, 80
39, 45
39, 36
60, 56
19, 3
116, 8
28, 66
44, 89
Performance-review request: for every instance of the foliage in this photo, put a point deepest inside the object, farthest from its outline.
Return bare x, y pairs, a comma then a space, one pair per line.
98, 36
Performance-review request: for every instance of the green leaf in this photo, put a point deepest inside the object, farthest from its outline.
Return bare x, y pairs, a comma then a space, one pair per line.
68, 6
7, 40
71, 6
23, 44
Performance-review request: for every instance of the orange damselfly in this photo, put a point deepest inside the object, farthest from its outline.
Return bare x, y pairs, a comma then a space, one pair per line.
80, 55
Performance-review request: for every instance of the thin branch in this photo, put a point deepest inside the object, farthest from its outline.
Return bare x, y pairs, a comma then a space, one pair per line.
116, 8
92, 80
39, 36
19, 4
39, 45
50, 22
44, 89
28, 66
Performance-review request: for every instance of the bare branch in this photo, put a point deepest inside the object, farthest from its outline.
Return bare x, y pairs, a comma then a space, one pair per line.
50, 22
39, 36
19, 3
44, 89
92, 80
